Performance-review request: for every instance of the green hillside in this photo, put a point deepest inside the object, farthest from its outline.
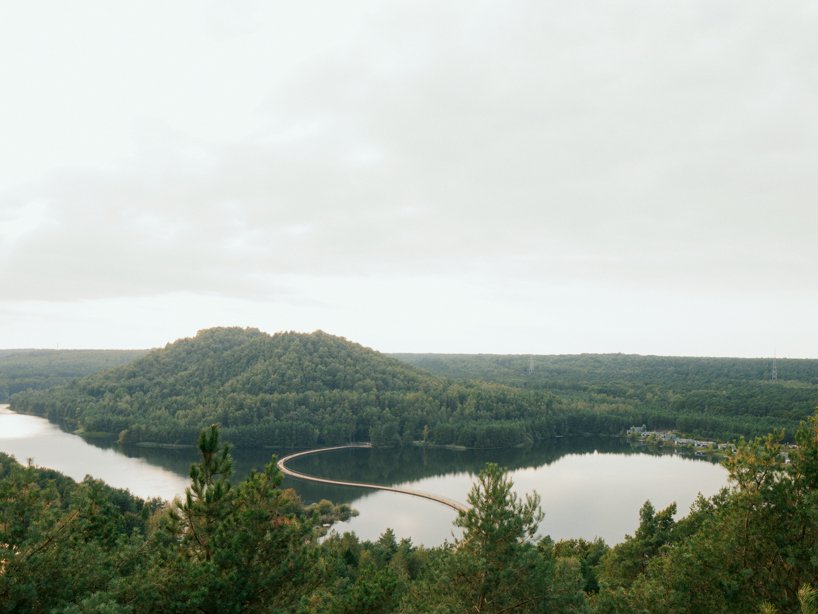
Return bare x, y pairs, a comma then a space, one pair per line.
290, 389
299, 390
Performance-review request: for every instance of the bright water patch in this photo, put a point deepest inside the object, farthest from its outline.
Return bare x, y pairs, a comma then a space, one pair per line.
30, 437
589, 487
583, 495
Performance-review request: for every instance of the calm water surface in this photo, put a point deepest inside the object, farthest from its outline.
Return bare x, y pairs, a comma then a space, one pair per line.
30, 437
589, 486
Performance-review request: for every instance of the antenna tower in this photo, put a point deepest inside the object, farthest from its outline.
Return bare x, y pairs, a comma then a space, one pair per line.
774, 374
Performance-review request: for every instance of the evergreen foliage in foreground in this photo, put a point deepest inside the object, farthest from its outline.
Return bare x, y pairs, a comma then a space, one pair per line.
70, 548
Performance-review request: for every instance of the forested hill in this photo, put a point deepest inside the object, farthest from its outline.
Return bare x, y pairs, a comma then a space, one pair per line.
712, 397
301, 390
289, 389
25, 369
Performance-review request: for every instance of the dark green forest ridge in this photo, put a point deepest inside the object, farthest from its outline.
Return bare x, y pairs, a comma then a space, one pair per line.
290, 389
39, 369
710, 397
300, 390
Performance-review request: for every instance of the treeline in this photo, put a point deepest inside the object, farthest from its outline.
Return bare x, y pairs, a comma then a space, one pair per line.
709, 397
302, 390
39, 369
253, 547
570, 370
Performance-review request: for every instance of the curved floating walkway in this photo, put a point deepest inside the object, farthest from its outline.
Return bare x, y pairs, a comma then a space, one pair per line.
282, 464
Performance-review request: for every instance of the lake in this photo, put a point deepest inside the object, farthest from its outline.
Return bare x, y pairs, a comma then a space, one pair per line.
589, 487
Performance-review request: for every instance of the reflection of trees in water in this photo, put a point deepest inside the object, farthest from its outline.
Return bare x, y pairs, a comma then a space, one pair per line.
400, 465
389, 466
179, 460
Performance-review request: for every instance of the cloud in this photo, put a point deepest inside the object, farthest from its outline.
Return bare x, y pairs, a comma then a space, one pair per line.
629, 146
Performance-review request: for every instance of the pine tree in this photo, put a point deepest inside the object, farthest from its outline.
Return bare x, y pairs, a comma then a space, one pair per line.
208, 499
495, 567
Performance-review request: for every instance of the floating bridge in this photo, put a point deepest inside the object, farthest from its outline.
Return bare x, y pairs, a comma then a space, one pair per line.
282, 464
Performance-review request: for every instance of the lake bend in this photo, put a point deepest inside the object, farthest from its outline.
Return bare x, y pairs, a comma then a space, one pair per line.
589, 487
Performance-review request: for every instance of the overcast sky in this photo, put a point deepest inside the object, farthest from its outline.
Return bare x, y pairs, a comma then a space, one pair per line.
508, 177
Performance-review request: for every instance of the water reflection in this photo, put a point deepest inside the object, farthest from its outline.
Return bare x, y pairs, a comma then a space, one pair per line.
29, 437
589, 486
588, 495
14, 426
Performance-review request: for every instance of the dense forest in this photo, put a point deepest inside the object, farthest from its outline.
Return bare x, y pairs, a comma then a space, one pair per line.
293, 389
253, 547
39, 369
711, 397
300, 390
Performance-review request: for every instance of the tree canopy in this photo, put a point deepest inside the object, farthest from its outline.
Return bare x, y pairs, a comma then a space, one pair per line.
302, 390
290, 389
84, 547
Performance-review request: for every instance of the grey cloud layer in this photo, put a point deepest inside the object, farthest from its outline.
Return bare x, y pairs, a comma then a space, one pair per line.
624, 144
